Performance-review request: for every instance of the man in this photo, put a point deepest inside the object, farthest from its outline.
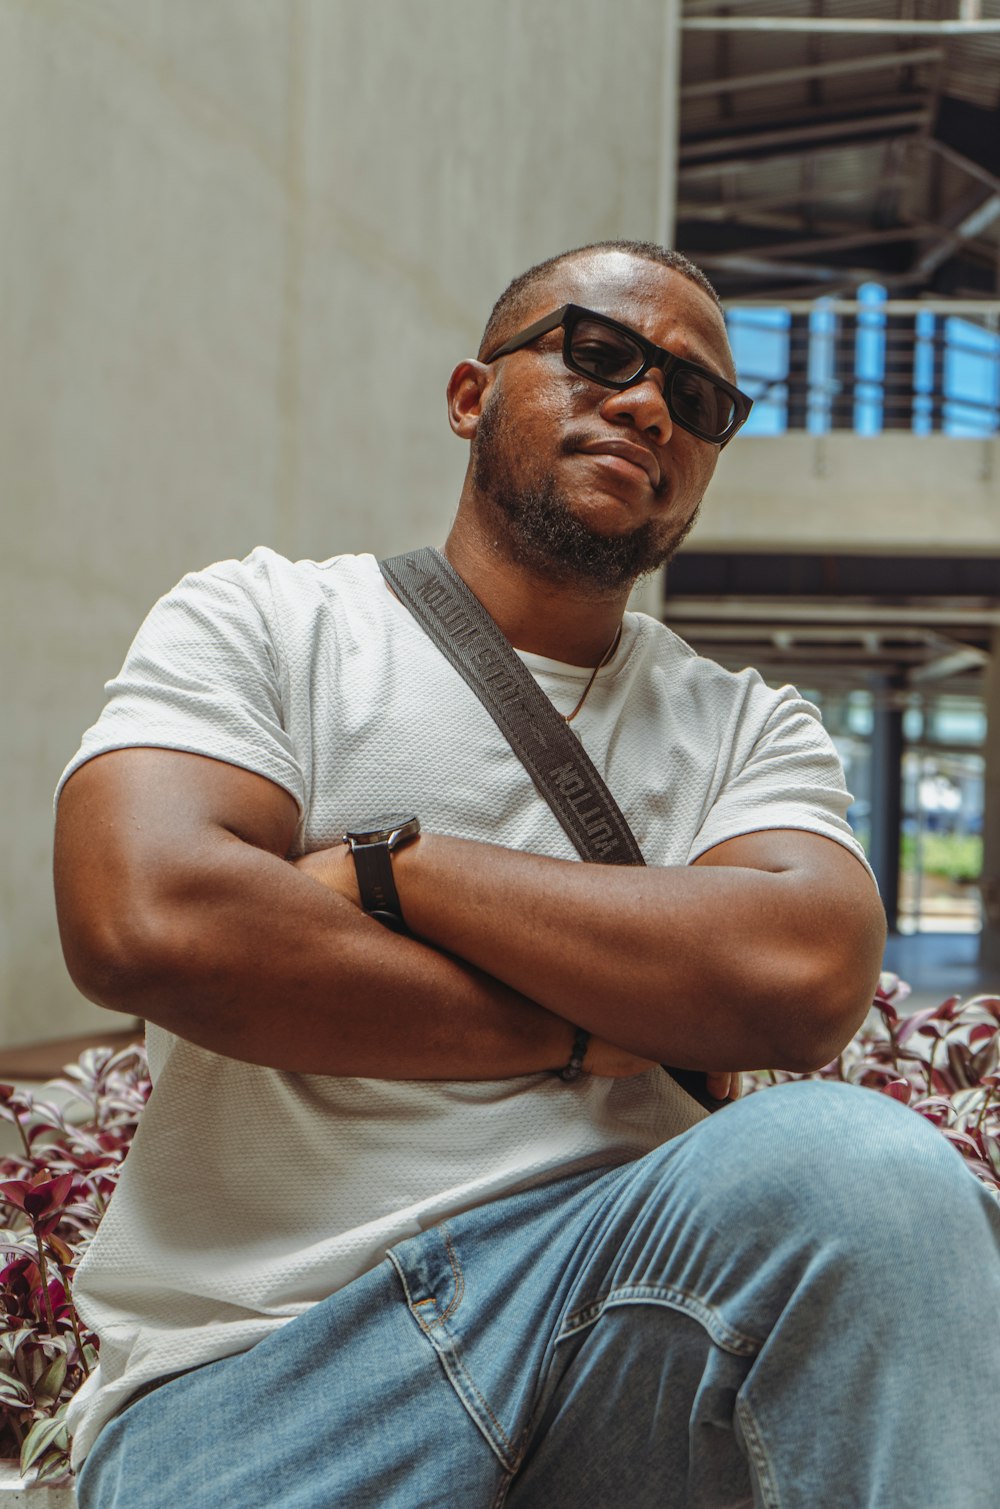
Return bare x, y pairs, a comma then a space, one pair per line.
591, 1295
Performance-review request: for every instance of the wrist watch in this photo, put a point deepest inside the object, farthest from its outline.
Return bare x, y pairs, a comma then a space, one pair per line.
371, 847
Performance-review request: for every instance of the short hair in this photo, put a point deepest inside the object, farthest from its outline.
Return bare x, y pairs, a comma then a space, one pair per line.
512, 303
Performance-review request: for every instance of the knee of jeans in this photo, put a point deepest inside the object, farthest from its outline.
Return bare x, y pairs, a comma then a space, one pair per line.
836, 1156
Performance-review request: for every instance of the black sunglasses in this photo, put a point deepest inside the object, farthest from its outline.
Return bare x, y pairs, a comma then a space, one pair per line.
616, 356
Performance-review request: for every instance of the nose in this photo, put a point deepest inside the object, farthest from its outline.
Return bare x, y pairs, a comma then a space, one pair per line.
643, 405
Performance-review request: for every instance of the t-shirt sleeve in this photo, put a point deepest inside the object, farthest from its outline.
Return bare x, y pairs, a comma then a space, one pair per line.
203, 676
789, 777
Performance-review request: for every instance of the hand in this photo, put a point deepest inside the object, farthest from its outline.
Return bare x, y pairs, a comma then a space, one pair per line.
725, 1085
611, 1062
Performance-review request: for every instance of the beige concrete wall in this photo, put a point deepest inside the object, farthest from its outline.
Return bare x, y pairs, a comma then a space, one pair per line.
243, 243
919, 494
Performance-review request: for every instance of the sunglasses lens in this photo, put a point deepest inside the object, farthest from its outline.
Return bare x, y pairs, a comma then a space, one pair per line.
697, 403
603, 353
609, 356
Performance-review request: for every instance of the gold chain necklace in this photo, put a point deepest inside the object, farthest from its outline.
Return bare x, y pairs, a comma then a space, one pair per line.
608, 653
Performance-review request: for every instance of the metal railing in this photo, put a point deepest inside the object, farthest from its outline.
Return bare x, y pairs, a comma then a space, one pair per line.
967, 20
869, 365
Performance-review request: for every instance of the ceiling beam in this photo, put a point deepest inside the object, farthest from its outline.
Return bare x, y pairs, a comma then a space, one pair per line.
851, 132
984, 309
959, 160
954, 664
973, 214
838, 26
850, 653
835, 243
769, 263
978, 219
689, 172
710, 7
862, 64
739, 209
807, 634
922, 611
763, 267
784, 295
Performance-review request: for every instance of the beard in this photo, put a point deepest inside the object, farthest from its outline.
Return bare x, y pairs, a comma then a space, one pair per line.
541, 532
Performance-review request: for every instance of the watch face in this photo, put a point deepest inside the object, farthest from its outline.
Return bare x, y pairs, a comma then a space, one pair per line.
380, 828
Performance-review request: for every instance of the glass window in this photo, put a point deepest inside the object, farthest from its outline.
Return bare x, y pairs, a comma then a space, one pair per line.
759, 339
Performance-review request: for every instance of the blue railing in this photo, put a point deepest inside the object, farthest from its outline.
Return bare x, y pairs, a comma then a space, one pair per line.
870, 364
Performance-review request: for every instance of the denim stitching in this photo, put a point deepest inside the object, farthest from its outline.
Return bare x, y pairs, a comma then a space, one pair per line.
502, 1491
465, 1385
456, 1269
758, 1454
460, 1366
401, 1275
447, 1348
724, 1335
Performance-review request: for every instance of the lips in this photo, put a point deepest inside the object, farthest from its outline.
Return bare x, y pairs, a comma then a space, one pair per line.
638, 455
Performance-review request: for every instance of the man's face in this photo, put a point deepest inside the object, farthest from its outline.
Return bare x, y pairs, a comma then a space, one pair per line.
584, 483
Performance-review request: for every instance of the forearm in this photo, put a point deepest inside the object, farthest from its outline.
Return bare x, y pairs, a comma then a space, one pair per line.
251, 959
703, 967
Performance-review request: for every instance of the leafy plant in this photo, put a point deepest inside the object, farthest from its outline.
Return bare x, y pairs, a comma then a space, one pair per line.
52, 1196
956, 856
943, 1062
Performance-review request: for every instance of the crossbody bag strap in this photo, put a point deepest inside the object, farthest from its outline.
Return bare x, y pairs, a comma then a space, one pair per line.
560, 767
555, 759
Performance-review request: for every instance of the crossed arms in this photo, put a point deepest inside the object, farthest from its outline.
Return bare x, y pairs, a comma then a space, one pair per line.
176, 902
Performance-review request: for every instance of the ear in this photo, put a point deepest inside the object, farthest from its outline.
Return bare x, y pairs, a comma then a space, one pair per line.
467, 389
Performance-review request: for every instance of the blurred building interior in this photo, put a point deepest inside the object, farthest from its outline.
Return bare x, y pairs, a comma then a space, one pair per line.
839, 177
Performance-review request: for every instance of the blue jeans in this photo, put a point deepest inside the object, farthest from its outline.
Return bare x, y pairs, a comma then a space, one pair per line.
795, 1303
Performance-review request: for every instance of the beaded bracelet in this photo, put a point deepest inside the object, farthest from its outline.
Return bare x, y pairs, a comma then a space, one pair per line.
574, 1068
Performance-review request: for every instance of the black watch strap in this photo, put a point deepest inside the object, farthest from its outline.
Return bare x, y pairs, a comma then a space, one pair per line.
379, 897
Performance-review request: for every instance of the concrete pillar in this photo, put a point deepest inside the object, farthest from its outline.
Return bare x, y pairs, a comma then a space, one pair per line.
670, 93
886, 790
989, 943
647, 595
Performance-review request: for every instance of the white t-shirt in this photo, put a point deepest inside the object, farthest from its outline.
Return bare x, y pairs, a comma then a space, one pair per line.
250, 1193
